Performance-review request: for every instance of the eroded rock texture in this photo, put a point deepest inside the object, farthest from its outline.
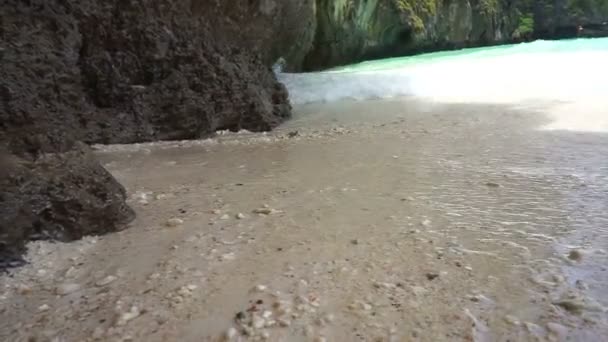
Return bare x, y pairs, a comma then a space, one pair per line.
60, 196
114, 72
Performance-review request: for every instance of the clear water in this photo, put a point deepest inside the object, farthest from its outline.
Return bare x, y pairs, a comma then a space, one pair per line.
567, 70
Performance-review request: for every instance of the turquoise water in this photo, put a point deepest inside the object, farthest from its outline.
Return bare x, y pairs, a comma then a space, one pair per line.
541, 70
536, 47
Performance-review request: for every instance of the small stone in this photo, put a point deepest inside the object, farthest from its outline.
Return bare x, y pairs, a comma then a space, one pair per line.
240, 216
265, 211
258, 322
191, 287
184, 291
571, 305
575, 255
24, 289
229, 334
43, 307
426, 222
174, 222
354, 242
492, 185
70, 272
216, 211
283, 322
225, 217
128, 316
581, 285
228, 256
260, 288
432, 275
419, 290
267, 314
512, 320
67, 288
558, 330
366, 306
98, 333
162, 317
239, 316
105, 281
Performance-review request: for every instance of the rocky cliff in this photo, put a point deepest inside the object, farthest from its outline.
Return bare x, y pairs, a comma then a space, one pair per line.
121, 72
352, 30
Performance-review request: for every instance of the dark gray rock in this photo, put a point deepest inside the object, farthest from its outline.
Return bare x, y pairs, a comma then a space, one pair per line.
59, 196
117, 72
123, 72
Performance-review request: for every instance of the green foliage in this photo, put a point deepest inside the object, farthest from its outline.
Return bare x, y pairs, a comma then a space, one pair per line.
526, 24
416, 10
488, 7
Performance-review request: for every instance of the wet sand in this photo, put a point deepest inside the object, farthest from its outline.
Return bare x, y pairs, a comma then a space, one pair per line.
395, 220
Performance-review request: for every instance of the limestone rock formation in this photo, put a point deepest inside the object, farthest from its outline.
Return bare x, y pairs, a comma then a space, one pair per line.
116, 72
353, 30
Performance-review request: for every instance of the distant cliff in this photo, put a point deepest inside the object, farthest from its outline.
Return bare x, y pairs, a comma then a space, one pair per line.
354, 30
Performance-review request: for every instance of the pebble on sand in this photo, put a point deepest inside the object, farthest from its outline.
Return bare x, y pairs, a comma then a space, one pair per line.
106, 281
575, 255
125, 317
512, 320
174, 222
24, 289
432, 275
266, 211
558, 330
259, 288
229, 334
65, 289
240, 216
571, 305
